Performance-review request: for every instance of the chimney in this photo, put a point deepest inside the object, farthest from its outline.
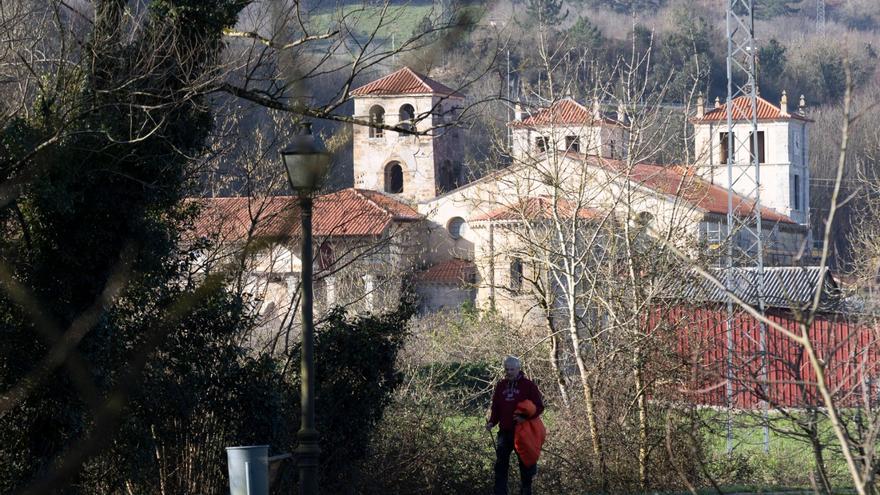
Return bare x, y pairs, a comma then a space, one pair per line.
802, 106
717, 102
783, 105
517, 111
621, 112
597, 113
701, 106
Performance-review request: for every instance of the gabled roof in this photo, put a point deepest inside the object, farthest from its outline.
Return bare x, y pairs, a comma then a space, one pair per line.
784, 287
680, 182
563, 112
405, 82
346, 213
742, 109
538, 208
455, 271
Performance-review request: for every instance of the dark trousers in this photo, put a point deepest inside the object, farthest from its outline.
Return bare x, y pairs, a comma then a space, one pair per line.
502, 466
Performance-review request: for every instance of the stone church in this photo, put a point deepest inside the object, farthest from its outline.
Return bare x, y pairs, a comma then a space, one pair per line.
414, 212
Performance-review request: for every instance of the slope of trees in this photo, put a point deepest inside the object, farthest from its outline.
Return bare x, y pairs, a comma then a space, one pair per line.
121, 371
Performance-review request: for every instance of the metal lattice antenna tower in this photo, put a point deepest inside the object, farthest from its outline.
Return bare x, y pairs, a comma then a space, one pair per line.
820, 16
744, 237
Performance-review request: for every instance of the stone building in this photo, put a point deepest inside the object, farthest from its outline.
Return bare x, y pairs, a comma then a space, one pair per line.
364, 243
569, 163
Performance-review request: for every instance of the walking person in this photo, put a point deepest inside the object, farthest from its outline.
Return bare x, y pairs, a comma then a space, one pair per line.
513, 389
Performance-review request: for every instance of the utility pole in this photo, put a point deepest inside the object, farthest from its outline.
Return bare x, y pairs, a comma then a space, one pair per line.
745, 249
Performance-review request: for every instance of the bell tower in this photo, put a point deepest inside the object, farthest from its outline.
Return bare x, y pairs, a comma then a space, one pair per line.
413, 167
783, 152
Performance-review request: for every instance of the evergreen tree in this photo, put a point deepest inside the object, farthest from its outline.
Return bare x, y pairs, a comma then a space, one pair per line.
585, 35
547, 13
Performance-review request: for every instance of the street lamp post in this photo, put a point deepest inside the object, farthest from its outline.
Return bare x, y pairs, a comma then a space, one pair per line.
306, 166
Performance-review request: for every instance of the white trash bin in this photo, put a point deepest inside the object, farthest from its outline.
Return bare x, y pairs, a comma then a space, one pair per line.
248, 470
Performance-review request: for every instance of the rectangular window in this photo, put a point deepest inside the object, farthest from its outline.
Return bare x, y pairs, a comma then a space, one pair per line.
724, 148
541, 144
760, 146
714, 234
516, 275
572, 143
796, 192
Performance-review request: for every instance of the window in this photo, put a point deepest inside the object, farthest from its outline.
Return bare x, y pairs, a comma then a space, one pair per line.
516, 274
796, 192
407, 117
394, 178
448, 176
715, 233
456, 227
612, 153
724, 147
325, 256
377, 117
541, 144
760, 146
572, 143
644, 218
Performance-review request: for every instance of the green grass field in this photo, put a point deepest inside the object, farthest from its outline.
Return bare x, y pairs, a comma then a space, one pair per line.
399, 20
785, 468
789, 461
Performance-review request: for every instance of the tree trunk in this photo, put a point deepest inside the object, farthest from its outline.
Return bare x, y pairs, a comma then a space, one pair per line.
556, 357
818, 455
588, 393
642, 405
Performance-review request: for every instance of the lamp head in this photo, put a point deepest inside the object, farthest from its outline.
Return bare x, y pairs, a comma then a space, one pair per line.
306, 163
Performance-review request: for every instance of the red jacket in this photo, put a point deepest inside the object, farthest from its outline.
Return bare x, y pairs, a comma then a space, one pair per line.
509, 393
529, 435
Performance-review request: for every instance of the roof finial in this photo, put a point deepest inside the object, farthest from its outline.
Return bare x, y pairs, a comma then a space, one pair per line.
717, 102
783, 104
802, 106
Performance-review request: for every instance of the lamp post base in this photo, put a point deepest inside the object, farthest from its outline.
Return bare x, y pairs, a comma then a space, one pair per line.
307, 455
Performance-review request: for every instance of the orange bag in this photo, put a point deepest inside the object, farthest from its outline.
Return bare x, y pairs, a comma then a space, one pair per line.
528, 436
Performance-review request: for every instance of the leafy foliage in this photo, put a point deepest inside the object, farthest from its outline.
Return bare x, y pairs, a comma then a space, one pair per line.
101, 207
356, 376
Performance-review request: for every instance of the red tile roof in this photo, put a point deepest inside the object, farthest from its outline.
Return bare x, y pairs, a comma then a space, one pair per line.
680, 182
346, 213
454, 271
537, 209
405, 82
563, 112
742, 109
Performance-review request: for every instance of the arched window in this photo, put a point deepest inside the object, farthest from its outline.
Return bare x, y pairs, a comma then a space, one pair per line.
377, 117
394, 178
516, 274
407, 118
